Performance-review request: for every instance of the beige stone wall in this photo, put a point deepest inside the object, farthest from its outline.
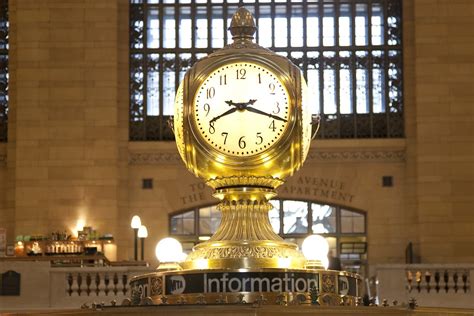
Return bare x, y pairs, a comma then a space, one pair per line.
443, 138
68, 154
67, 134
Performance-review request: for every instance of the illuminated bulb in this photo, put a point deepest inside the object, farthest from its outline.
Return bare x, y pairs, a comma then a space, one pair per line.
315, 247
142, 232
136, 222
168, 250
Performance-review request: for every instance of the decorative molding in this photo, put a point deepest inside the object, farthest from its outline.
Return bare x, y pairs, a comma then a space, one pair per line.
156, 158
358, 155
369, 155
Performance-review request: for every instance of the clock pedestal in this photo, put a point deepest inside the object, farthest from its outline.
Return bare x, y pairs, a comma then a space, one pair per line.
216, 112
245, 238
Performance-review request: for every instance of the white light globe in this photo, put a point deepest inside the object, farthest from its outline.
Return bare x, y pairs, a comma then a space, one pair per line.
315, 247
169, 250
136, 222
142, 232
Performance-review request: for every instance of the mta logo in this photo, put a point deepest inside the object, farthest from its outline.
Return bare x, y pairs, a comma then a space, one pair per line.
178, 284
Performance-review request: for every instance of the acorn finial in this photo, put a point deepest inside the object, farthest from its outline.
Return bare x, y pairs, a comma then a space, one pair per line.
242, 25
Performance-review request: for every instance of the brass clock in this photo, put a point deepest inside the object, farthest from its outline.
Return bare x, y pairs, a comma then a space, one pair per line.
241, 109
242, 124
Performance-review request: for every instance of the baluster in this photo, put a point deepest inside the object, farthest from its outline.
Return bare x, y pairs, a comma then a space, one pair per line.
101, 285
115, 281
418, 281
106, 283
464, 281
79, 284
409, 280
97, 282
437, 278
428, 280
88, 283
120, 286
125, 283
74, 285
455, 279
446, 280
69, 280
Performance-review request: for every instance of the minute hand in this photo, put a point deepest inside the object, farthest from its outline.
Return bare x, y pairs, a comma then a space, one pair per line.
251, 109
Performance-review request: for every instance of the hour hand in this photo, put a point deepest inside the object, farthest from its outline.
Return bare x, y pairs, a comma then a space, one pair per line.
254, 110
223, 114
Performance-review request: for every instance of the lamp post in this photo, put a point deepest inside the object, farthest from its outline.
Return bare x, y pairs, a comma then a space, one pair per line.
135, 224
142, 234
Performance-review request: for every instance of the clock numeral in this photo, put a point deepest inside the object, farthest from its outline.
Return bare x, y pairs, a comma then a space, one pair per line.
207, 108
241, 73
272, 87
223, 80
242, 143
272, 126
259, 78
212, 130
259, 138
277, 109
210, 93
225, 134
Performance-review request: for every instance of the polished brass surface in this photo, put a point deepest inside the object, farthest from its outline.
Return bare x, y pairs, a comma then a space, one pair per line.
244, 184
328, 291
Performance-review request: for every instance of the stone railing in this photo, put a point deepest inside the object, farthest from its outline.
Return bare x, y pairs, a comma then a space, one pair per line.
440, 285
88, 285
43, 286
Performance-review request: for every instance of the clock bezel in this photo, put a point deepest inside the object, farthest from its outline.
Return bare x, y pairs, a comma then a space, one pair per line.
200, 76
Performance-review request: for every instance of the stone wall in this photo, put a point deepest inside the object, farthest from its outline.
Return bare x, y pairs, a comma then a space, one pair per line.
68, 155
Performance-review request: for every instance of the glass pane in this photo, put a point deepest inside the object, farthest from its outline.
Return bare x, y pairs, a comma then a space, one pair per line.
312, 23
345, 30
296, 26
362, 83
153, 29
201, 27
345, 83
153, 88
265, 27
295, 217
361, 24
169, 28
328, 25
324, 219
330, 103
352, 222
169, 89
217, 29
377, 24
209, 220
378, 82
313, 82
182, 224
185, 28
281, 27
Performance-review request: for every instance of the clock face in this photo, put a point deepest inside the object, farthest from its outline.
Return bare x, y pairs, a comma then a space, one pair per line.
241, 109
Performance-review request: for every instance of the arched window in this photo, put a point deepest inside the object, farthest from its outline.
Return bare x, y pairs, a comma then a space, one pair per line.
350, 52
345, 229
3, 70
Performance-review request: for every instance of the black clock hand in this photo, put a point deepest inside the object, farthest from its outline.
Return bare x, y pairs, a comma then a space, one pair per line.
241, 105
254, 110
223, 114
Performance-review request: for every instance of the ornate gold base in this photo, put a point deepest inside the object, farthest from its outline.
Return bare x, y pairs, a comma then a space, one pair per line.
241, 286
245, 238
244, 255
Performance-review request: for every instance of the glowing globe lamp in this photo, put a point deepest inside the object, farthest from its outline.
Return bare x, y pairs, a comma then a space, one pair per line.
315, 249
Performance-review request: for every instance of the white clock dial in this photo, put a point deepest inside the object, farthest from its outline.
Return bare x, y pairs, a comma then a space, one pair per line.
241, 109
